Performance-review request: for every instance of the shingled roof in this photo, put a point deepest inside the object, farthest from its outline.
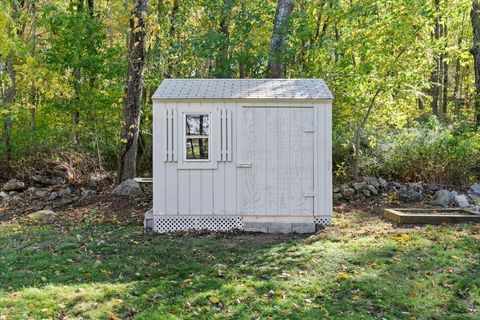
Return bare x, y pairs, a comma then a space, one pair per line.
302, 89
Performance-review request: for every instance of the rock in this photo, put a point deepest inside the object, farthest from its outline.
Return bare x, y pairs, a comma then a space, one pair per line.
148, 220
359, 185
443, 198
371, 180
396, 185
13, 185
366, 192
371, 189
346, 191
41, 193
60, 171
64, 191
128, 188
42, 216
410, 195
13, 193
474, 198
474, 192
16, 198
88, 193
48, 181
31, 189
337, 196
336, 189
3, 194
64, 202
360, 196
383, 183
431, 190
475, 188
461, 200
416, 185
53, 196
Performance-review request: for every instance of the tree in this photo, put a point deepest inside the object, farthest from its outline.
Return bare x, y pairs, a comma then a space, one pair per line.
10, 95
475, 50
436, 73
222, 69
133, 94
279, 38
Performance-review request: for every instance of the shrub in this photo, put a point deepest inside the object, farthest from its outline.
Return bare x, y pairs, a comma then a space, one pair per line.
428, 151
425, 151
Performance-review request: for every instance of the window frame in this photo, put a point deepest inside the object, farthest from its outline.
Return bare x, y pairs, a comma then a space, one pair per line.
208, 137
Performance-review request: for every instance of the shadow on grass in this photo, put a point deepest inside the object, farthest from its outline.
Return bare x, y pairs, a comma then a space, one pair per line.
112, 269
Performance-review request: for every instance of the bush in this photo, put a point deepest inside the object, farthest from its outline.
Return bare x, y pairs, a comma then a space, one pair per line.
428, 151
425, 151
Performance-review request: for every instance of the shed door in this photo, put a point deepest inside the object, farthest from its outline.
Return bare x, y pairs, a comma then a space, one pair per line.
276, 161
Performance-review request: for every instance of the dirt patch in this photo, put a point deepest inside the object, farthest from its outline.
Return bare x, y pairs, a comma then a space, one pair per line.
74, 208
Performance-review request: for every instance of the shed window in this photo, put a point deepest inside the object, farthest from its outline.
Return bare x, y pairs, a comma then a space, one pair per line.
197, 130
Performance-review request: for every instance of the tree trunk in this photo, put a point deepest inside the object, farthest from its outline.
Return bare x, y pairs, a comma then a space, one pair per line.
11, 91
445, 74
133, 94
8, 101
90, 7
435, 76
279, 38
221, 70
445, 89
33, 95
358, 134
171, 34
458, 70
475, 50
77, 76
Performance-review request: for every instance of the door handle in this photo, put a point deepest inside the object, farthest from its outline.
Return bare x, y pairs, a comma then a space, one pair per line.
244, 165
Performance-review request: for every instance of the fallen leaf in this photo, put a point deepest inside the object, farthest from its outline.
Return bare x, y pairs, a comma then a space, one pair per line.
342, 276
214, 299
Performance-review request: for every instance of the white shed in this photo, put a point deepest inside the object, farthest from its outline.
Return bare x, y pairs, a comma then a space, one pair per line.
251, 154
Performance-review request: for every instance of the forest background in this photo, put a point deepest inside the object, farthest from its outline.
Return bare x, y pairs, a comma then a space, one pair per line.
402, 73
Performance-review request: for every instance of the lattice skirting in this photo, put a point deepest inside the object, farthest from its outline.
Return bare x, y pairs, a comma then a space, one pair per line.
213, 223
162, 224
322, 220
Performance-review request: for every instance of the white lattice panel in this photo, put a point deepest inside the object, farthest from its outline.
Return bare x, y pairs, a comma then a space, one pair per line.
323, 220
213, 223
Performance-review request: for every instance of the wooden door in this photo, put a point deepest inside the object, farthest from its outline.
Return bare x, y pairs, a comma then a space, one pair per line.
276, 161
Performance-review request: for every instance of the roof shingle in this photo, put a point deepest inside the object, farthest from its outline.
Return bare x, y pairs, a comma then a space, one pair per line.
302, 89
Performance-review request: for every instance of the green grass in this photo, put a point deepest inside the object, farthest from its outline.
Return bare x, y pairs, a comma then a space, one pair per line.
361, 268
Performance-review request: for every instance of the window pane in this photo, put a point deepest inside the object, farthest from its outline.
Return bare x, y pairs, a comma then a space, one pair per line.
197, 148
197, 124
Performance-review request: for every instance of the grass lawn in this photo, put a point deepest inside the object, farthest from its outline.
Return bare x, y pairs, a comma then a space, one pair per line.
360, 268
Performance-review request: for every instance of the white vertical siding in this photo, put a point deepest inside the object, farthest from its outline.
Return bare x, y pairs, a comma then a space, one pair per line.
283, 138
289, 148
297, 152
260, 161
328, 155
323, 203
272, 169
308, 158
159, 151
230, 177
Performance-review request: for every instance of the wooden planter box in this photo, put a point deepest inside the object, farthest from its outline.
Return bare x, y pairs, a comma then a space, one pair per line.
431, 216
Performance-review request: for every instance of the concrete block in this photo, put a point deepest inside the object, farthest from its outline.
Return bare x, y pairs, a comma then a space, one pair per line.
255, 229
280, 228
249, 224
304, 229
303, 224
